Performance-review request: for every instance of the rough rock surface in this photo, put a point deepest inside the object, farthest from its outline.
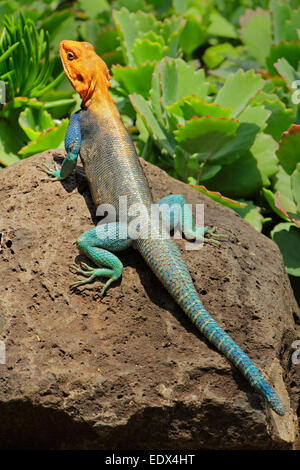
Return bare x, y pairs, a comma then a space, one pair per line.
131, 371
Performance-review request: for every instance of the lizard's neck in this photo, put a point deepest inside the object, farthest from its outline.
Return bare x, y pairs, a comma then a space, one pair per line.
103, 111
101, 103
97, 95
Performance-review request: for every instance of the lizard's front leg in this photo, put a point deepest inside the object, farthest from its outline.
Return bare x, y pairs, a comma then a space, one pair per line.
175, 211
97, 243
72, 146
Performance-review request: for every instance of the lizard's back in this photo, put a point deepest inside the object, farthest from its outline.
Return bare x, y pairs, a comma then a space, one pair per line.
113, 170
110, 161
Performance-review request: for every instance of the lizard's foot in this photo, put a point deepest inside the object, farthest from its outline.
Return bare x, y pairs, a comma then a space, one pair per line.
212, 231
54, 173
199, 233
90, 273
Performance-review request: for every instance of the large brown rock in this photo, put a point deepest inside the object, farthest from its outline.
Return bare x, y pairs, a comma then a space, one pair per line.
131, 371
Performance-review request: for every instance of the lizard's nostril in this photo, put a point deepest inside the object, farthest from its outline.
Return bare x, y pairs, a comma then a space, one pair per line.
80, 78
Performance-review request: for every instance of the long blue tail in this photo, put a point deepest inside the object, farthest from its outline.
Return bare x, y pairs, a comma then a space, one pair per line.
217, 336
166, 262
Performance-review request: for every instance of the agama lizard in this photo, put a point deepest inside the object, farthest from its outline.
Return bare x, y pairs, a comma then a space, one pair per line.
113, 170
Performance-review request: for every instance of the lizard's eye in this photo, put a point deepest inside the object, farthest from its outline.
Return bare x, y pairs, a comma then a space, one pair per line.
70, 56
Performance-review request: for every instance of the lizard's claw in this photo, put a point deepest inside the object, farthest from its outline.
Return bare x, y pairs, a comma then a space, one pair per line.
199, 233
81, 271
90, 273
54, 173
212, 231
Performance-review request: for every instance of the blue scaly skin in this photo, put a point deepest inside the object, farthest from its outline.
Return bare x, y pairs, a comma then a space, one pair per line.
113, 171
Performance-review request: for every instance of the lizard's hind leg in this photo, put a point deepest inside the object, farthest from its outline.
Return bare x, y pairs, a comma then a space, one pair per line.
97, 243
175, 211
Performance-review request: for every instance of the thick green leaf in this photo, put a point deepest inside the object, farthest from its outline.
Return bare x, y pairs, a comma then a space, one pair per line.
207, 171
155, 94
55, 22
60, 108
89, 30
153, 37
264, 152
285, 21
280, 120
295, 184
240, 179
287, 72
256, 33
138, 26
268, 93
159, 134
135, 79
9, 144
193, 35
180, 6
130, 25
292, 26
281, 117
255, 115
68, 29
252, 214
287, 237
215, 55
60, 103
92, 8
238, 90
180, 159
19, 103
206, 134
171, 30
242, 142
185, 81
106, 40
143, 131
281, 14
191, 106
52, 138
34, 121
281, 206
184, 78
220, 26
133, 5
7, 159
195, 165
225, 201
282, 185
289, 149
290, 50
275, 204
144, 50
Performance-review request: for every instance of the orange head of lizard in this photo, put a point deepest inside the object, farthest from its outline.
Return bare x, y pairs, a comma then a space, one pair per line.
85, 70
